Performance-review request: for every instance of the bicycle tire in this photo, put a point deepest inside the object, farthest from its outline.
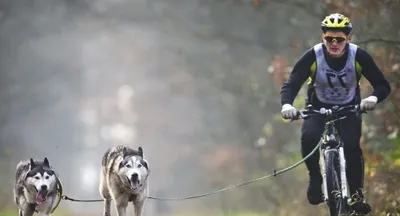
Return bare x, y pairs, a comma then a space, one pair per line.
335, 202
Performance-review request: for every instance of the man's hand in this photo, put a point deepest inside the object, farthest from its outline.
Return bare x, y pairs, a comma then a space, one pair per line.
288, 111
368, 103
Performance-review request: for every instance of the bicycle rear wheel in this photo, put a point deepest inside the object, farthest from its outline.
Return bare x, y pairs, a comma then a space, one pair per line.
336, 203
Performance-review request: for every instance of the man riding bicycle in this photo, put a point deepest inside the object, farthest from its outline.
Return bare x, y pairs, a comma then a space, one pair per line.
334, 69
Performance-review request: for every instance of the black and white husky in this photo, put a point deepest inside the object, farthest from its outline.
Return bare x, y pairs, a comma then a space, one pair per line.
124, 178
36, 187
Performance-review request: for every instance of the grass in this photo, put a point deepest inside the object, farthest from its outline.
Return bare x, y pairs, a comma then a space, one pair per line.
13, 211
222, 214
8, 212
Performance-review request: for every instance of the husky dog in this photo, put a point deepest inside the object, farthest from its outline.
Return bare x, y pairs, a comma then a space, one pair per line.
123, 178
36, 187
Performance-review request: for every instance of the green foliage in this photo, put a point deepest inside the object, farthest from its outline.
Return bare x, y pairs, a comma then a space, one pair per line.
13, 211
395, 155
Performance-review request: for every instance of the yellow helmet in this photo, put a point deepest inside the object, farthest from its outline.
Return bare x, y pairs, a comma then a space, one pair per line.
336, 21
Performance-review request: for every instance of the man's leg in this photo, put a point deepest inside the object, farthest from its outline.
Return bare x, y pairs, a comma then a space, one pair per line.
311, 132
350, 132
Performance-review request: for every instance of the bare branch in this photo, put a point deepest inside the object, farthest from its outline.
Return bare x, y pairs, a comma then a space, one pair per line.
300, 5
378, 40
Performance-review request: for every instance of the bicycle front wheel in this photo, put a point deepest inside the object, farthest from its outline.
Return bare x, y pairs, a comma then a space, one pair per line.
335, 201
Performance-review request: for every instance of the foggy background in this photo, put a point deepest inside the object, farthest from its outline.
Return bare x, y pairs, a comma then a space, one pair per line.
191, 81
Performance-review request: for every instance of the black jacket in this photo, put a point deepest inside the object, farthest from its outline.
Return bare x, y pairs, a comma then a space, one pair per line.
301, 72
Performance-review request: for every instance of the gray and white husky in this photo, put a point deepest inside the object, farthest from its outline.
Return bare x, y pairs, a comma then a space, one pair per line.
36, 187
124, 178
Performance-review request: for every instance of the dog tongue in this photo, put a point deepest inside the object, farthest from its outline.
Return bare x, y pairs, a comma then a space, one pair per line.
134, 184
40, 197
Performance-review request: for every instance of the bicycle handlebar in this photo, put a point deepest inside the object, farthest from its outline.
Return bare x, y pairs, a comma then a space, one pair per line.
335, 110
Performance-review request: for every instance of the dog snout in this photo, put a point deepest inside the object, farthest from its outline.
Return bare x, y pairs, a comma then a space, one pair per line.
135, 177
43, 187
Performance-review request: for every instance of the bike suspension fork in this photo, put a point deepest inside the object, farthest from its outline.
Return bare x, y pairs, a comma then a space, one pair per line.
343, 178
323, 172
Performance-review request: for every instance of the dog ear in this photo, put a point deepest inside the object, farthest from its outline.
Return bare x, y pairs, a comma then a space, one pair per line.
46, 162
144, 163
31, 164
124, 152
140, 151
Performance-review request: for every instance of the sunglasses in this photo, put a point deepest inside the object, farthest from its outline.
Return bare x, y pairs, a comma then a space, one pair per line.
332, 39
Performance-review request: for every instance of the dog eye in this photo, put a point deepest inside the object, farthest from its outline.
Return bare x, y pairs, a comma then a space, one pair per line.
36, 177
128, 166
139, 165
47, 177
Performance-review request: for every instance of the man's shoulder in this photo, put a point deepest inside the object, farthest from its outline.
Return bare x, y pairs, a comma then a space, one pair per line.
305, 61
309, 54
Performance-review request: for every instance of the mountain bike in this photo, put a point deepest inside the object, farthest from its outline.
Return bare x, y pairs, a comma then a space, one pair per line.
333, 162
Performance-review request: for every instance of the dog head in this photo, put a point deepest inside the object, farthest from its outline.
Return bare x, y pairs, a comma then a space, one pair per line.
134, 169
42, 177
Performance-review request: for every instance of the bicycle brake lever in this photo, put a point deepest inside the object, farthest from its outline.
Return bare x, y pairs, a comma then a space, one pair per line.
361, 111
300, 115
294, 118
364, 111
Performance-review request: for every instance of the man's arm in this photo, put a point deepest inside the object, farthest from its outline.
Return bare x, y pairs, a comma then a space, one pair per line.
300, 73
373, 74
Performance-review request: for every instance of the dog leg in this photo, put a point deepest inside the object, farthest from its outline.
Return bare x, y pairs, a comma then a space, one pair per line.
121, 205
138, 207
50, 203
29, 210
20, 212
107, 207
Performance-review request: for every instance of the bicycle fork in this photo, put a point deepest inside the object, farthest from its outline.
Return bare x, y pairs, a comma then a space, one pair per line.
343, 177
323, 172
